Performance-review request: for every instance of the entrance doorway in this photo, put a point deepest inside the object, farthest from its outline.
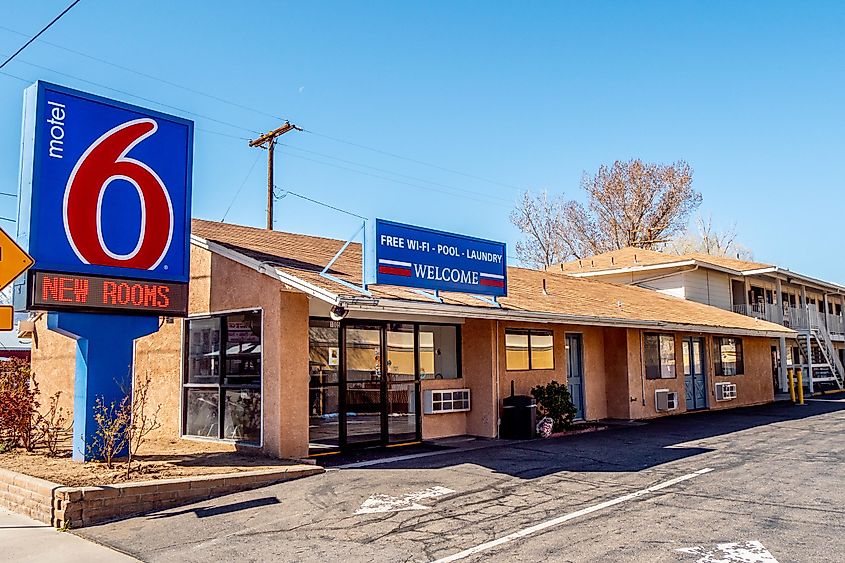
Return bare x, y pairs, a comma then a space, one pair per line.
379, 385
575, 372
695, 378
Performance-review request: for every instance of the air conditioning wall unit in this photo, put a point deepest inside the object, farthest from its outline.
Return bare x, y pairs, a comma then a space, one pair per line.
440, 401
725, 391
665, 400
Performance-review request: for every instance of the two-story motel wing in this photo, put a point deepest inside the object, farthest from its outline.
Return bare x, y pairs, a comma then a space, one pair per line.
811, 307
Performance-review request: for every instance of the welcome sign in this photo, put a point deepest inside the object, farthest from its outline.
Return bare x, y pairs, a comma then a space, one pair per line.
411, 256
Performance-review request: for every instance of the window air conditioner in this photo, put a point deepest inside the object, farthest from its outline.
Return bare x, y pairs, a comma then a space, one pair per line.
438, 401
725, 391
665, 400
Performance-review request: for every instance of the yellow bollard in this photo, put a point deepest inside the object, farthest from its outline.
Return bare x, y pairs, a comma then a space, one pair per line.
800, 388
791, 378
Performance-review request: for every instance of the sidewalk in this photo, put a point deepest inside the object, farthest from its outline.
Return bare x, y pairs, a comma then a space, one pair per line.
23, 539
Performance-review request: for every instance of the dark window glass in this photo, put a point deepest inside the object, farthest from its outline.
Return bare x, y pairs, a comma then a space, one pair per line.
204, 351
227, 375
729, 356
659, 356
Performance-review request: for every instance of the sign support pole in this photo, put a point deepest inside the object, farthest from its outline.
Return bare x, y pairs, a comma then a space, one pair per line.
104, 358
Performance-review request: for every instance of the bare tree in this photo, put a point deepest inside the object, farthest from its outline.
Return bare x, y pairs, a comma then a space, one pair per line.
628, 204
708, 239
539, 217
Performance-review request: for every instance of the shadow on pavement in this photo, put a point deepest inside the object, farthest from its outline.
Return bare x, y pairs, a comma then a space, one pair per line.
620, 449
206, 511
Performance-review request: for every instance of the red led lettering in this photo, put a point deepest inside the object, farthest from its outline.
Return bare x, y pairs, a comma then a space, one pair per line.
50, 289
65, 287
149, 296
137, 294
80, 290
109, 292
164, 299
124, 293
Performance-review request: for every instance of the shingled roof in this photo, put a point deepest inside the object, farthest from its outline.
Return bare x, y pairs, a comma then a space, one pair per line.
554, 295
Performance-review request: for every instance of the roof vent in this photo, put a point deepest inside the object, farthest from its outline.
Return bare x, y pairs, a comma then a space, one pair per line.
561, 266
580, 265
545, 291
592, 263
611, 261
635, 258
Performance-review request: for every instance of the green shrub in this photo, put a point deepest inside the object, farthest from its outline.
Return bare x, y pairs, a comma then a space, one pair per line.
554, 401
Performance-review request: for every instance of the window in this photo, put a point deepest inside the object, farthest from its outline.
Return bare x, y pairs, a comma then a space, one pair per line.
438, 348
222, 382
529, 350
659, 355
729, 356
438, 401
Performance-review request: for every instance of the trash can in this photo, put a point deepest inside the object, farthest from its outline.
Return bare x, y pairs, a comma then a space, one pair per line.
519, 418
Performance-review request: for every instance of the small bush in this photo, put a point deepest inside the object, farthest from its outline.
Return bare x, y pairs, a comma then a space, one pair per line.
554, 401
18, 405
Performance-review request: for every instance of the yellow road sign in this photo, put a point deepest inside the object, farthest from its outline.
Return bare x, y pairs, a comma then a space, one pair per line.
13, 260
7, 317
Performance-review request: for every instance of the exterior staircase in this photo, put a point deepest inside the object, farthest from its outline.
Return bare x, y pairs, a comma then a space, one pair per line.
827, 368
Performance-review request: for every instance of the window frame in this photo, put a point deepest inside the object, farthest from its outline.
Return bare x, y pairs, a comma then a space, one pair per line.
660, 366
530, 332
718, 367
220, 386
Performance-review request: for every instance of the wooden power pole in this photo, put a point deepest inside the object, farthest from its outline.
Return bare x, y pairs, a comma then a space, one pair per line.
268, 141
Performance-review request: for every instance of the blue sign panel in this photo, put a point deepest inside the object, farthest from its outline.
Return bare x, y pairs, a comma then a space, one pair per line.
426, 259
105, 187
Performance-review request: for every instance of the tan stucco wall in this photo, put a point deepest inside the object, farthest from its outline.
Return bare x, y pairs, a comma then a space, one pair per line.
753, 387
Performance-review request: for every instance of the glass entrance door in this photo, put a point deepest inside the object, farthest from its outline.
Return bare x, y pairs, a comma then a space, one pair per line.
363, 385
402, 384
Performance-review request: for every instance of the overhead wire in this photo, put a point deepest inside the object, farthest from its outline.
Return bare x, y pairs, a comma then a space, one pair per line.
286, 192
248, 108
37, 35
391, 172
238, 192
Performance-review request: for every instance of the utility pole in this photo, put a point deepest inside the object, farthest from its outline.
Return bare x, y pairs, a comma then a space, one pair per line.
268, 141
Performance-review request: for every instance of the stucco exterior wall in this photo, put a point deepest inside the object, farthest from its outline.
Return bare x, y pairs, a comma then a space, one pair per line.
755, 386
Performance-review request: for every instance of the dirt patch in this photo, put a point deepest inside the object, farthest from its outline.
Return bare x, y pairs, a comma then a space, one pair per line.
167, 459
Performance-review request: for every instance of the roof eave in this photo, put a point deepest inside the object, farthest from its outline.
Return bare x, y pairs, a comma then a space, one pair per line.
267, 269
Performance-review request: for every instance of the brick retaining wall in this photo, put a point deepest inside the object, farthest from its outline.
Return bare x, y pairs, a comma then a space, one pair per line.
76, 507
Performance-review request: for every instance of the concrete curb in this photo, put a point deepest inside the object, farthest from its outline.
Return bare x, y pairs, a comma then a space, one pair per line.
77, 507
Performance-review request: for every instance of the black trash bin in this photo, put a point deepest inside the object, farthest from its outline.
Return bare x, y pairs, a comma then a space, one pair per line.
519, 418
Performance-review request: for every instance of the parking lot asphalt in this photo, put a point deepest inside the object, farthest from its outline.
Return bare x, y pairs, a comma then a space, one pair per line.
755, 484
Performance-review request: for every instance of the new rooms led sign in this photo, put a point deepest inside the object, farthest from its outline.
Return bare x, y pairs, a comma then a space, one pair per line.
423, 258
105, 190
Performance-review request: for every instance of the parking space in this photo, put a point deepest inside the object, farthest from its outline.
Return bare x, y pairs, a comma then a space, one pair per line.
764, 481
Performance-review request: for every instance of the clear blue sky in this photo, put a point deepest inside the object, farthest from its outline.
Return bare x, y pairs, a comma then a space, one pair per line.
528, 94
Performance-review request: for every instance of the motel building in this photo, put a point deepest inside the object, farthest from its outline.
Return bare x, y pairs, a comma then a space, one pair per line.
282, 354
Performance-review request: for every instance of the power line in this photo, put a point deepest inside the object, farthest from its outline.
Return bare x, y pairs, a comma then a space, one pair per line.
414, 160
428, 188
285, 193
237, 193
8, 194
394, 173
260, 112
43, 29
8, 219
151, 77
149, 100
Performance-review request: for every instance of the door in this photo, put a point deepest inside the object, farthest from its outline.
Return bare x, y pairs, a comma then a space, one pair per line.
402, 385
695, 380
575, 372
380, 385
362, 385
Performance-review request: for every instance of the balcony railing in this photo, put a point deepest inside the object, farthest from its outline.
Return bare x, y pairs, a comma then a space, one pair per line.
794, 317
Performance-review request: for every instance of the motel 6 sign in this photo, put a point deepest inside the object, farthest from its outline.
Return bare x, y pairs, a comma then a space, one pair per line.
105, 204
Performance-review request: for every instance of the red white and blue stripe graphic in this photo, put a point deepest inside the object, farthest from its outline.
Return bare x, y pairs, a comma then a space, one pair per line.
394, 267
491, 280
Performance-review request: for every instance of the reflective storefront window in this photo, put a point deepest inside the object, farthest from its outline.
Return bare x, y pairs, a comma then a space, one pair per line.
223, 369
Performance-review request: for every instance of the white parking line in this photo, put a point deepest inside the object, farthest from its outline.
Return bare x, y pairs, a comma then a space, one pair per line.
571, 516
